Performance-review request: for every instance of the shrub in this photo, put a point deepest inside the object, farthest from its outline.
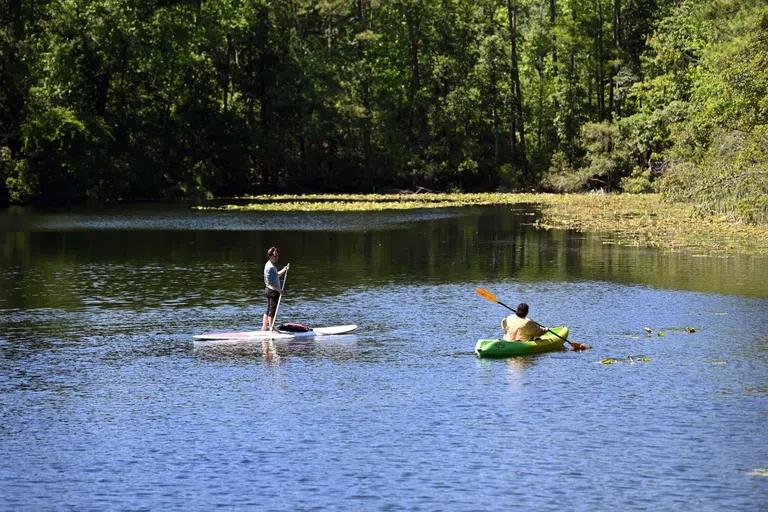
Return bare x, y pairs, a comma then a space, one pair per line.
6, 165
639, 182
510, 177
731, 177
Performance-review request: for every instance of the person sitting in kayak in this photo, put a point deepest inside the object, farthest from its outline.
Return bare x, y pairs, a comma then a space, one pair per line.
519, 327
272, 282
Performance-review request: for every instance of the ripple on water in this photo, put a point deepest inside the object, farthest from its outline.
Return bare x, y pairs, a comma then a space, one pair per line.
107, 403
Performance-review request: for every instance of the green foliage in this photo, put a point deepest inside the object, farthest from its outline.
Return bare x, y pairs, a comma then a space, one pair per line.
6, 167
639, 182
730, 177
676, 48
605, 161
511, 177
22, 184
114, 99
709, 142
71, 149
561, 176
720, 153
646, 134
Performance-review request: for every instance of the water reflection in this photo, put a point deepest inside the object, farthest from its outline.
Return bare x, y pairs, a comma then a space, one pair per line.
180, 217
516, 366
338, 349
182, 267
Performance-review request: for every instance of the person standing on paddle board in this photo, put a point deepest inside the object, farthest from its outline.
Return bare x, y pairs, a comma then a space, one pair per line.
519, 327
272, 282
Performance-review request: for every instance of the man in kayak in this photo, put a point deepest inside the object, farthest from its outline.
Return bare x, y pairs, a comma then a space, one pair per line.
519, 327
272, 282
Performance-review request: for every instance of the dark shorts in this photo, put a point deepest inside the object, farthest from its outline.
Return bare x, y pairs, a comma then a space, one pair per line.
272, 298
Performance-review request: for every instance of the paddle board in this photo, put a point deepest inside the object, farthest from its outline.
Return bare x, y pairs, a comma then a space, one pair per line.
275, 335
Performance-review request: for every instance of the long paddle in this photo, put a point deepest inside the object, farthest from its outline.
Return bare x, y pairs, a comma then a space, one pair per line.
277, 308
491, 297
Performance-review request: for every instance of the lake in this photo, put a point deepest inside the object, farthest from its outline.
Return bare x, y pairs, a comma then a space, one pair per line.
108, 404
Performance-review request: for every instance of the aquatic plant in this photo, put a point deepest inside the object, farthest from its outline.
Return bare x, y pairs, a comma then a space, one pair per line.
630, 359
629, 220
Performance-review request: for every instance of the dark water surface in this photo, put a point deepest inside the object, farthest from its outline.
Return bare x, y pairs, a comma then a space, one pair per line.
107, 404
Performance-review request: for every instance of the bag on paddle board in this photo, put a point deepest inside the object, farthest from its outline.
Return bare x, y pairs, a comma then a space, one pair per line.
289, 327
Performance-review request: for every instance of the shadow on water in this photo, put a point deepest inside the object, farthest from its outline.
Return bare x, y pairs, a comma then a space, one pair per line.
339, 349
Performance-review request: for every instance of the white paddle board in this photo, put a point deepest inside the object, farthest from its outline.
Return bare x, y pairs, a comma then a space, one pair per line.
275, 335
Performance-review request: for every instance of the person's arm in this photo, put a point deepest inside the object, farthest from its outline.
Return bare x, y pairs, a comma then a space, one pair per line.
284, 270
541, 331
275, 287
533, 329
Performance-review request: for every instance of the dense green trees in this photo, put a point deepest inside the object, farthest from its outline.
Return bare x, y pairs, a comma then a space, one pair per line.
106, 99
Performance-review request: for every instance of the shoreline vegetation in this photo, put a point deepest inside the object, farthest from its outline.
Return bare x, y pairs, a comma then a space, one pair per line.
638, 220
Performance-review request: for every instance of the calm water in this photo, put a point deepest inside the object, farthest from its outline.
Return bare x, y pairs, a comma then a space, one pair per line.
107, 404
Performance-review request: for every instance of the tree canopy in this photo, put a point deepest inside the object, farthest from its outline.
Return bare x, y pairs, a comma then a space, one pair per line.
167, 99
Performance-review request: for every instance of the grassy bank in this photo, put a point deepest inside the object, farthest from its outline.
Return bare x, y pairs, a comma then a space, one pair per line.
633, 220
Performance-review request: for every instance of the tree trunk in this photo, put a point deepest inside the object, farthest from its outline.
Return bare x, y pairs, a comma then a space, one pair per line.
494, 103
414, 121
266, 177
249, 80
102, 93
517, 94
570, 99
367, 169
613, 107
166, 121
552, 17
553, 21
227, 73
540, 73
303, 155
599, 62
445, 86
12, 75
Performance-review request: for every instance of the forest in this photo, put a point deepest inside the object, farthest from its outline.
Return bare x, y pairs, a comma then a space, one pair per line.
107, 100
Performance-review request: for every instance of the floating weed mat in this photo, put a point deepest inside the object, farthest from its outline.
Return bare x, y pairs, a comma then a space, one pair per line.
369, 202
643, 220
647, 221
649, 331
630, 360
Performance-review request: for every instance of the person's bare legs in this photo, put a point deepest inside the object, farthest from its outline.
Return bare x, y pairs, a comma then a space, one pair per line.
266, 322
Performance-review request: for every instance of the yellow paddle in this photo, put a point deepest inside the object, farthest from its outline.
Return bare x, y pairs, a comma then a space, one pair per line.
491, 297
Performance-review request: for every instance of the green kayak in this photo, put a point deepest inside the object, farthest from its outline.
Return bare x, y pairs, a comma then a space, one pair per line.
502, 348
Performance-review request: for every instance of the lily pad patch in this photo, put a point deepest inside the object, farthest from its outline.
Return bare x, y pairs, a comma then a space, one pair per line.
630, 359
